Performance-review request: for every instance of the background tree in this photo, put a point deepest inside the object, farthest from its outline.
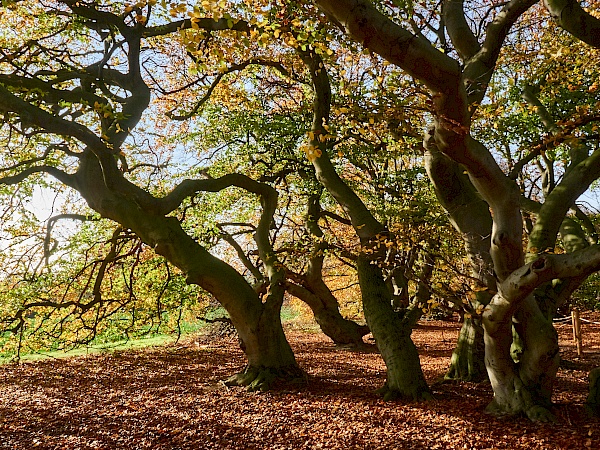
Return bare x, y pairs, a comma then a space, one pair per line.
264, 144
457, 90
214, 76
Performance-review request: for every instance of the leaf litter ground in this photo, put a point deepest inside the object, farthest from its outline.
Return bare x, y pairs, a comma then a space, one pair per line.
172, 398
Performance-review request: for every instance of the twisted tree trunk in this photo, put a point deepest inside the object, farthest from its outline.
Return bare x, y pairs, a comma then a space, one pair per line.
258, 323
470, 216
405, 377
327, 314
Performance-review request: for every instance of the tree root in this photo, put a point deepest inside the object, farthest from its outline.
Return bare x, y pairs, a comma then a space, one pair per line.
266, 378
535, 413
390, 394
540, 414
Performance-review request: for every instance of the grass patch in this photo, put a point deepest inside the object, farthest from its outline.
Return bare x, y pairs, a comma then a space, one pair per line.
131, 344
291, 314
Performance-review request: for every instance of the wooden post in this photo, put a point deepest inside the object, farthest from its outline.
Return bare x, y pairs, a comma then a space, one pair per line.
577, 330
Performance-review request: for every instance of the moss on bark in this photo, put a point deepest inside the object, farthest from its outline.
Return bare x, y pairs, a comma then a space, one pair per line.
468, 358
405, 378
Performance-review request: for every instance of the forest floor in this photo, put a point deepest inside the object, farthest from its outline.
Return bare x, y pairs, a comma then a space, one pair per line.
172, 398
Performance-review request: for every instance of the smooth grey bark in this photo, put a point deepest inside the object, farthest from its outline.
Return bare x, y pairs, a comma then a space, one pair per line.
551, 216
458, 29
574, 19
470, 216
258, 323
556, 294
518, 387
469, 213
405, 378
526, 386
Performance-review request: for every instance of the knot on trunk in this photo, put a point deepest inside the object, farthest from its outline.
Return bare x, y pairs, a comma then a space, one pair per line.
538, 264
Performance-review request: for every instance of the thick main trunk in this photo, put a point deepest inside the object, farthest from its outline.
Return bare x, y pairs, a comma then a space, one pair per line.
405, 378
468, 358
471, 217
270, 357
258, 324
523, 387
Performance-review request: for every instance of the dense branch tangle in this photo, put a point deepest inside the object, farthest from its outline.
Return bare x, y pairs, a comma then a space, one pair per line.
457, 89
94, 107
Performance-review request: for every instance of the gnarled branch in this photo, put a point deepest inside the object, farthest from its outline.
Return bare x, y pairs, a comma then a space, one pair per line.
574, 19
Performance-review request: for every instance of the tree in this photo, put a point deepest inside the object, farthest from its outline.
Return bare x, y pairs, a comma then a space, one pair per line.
390, 330
77, 89
108, 174
312, 289
74, 92
458, 86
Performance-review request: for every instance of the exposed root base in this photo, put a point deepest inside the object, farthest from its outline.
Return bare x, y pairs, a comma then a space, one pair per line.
472, 377
389, 394
361, 347
265, 378
535, 413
